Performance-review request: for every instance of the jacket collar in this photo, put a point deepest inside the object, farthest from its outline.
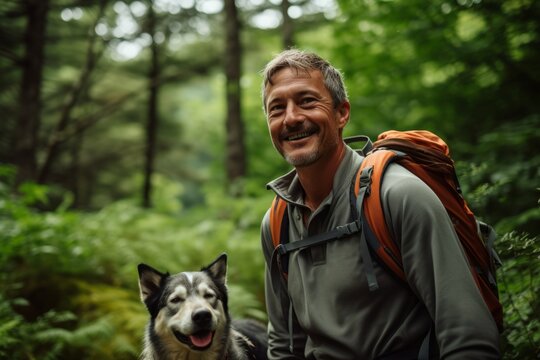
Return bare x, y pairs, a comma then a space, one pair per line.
288, 186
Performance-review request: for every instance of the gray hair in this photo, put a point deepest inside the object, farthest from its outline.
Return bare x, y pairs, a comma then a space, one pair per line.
306, 61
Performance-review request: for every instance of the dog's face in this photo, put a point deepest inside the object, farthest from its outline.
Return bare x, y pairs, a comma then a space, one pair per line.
188, 309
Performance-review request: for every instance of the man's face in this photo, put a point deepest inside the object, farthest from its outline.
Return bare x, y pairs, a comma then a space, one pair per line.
304, 124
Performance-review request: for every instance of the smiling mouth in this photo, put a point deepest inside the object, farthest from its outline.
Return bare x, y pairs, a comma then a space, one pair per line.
198, 341
299, 136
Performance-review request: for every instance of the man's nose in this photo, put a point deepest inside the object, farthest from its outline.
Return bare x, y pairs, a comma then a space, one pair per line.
293, 115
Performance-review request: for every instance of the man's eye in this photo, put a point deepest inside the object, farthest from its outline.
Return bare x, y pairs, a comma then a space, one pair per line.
276, 108
308, 100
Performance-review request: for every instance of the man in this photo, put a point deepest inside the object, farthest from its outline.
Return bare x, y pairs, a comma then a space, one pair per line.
324, 309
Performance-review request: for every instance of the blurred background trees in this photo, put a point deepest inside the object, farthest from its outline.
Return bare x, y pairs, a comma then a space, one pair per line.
132, 131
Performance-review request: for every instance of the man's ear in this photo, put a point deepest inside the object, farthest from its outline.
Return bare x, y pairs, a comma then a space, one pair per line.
149, 281
343, 113
218, 269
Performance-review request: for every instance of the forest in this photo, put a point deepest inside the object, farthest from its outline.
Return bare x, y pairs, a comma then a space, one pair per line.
132, 132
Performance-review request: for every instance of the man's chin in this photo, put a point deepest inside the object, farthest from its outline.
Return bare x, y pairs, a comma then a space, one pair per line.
302, 160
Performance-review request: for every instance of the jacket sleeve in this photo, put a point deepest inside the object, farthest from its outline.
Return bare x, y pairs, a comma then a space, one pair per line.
277, 306
437, 269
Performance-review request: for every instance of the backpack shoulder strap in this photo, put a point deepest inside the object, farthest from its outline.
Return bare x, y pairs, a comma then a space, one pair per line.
371, 212
278, 221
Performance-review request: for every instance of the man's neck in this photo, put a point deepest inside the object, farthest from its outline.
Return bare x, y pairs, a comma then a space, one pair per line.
318, 179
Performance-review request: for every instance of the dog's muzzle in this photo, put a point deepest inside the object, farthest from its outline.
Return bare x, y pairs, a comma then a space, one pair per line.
203, 333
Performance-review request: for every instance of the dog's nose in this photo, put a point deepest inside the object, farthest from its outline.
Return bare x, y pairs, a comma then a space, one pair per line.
201, 317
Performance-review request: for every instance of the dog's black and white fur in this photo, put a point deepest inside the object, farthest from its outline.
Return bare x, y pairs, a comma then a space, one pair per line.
189, 317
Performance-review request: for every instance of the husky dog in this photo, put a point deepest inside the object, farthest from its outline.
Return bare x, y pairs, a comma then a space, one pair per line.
189, 317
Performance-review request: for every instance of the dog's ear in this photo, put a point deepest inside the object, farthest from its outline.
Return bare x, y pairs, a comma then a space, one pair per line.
218, 269
149, 281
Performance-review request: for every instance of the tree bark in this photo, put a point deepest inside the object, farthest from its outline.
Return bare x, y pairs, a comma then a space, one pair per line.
152, 119
75, 171
57, 138
287, 27
236, 161
29, 118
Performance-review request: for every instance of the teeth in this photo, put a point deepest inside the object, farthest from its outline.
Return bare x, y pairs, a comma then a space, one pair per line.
298, 136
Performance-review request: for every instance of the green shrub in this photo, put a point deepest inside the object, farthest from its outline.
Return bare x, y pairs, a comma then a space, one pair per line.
74, 274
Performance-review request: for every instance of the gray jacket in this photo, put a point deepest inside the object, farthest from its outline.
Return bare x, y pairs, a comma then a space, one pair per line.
336, 316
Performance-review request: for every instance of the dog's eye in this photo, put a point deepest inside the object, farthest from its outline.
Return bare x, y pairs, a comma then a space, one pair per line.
209, 296
176, 300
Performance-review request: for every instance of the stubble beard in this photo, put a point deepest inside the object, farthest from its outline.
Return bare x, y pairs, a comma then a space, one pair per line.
311, 157
299, 160
302, 160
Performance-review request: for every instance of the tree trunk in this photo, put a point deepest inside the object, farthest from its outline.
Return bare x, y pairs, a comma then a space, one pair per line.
152, 120
236, 161
287, 28
75, 171
29, 118
58, 136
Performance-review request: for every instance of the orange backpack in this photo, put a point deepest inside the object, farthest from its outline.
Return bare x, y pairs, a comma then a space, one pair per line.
427, 156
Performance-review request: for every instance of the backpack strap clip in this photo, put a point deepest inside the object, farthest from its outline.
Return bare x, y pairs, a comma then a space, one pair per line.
368, 144
350, 228
281, 250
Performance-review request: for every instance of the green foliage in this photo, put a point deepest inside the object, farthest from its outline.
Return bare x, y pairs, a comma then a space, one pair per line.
500, 180
519, 280
51, 336
445, 66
